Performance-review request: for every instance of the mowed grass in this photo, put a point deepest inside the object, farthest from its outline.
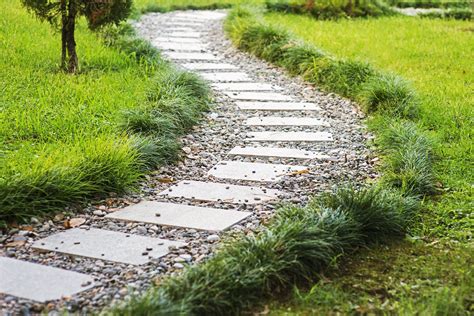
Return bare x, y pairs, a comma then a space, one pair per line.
166, 5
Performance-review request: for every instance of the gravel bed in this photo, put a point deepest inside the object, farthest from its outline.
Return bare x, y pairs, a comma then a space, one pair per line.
209, 143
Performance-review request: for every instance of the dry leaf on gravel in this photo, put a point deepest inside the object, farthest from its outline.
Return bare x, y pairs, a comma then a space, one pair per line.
17, 243
166, 180
74, 222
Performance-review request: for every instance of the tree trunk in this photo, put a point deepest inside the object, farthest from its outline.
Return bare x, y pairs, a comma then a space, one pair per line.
72, 63
310, 5
63, 9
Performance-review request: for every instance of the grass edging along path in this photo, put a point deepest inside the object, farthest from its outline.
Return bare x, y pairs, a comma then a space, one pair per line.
68, 138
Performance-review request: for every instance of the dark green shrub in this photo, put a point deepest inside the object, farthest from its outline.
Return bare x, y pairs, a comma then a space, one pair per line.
153, 152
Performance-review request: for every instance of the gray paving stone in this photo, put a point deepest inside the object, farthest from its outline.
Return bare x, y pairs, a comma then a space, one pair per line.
204, 15
189, 47
177, 40
106, 245
39, 282
244, 86
171, 214
225, 76
190, 56
290, 136
260, 96
185, 34
210, 191
252, 171
209, 66
277, 106
276, 152
284, 121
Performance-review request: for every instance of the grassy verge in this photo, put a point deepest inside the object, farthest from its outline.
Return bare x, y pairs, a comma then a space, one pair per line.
67, 138
171, 5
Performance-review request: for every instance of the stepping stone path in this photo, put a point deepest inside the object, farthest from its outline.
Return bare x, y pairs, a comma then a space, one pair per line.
270, 139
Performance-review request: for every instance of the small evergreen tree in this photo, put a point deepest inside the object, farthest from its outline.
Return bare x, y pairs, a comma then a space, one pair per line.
62, 14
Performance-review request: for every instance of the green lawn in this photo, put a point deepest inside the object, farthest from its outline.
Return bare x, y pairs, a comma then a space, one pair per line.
164, 5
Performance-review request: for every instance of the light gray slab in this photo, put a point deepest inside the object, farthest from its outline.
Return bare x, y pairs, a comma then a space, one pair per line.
39, 282
177, 39
190, 56
205, 15
106, 245
209, 66
284, 121
171, 214
252, 171
260, 96
188, 47
244, 86
168, 29
276, 152
210, 191
290, 136
225, 76
277, 106
185, 34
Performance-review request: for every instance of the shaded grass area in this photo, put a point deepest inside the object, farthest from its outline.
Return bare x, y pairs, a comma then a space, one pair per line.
66, 138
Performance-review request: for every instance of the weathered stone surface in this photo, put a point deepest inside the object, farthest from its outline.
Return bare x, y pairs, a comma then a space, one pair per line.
277, 106
39, 282
188, 47
276, 152
209, 66
290, 136
190, 56
245, 86
225, 76
204, 15
171, 214
185, 34
209, 191
260, 96
252, 171
106, 245
176, 40
284, 121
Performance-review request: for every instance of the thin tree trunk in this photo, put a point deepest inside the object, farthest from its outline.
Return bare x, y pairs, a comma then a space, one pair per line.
63, 9
70, 38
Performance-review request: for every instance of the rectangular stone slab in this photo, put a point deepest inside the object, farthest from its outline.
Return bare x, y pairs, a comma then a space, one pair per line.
210, 191
39, 282
171, 214
276, 152
190, 56
177, 40
225, 76
244, 86
290, 136
252, 171
260, 96
209, 66
106, 245
284, 121
189, 47
185, 34
277, 106
205, 15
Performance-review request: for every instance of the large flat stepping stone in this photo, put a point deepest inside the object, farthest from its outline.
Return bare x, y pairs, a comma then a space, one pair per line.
261, 96
204, 15
190, 56
177, 40
38, 282
225, 76
276, 152
244, 86
107, 245
290, 136
171, 214
185, 34
284, 121
253, 171
188, 47
277, 106
209, 66
215, 192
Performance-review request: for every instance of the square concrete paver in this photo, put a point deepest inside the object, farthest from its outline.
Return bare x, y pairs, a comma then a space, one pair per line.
39, 282
177, 40
210, 191
185, 34
171, 214
277, 106
107, 245
245, 86
276, 152
252, 171
260, 96
284, 121
290, 136
190, 56
225, 76
209, 66
188, 47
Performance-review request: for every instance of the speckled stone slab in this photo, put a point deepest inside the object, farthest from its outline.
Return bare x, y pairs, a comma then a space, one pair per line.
39, 282
188, 47
185, 34
176, 40
210, 191
284, 121
244, 86
107, 245
225, 76
277, 106
204, 15
209, 66
252, 171
190, 56
276, 152
260, 96
290, 136
180, 215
